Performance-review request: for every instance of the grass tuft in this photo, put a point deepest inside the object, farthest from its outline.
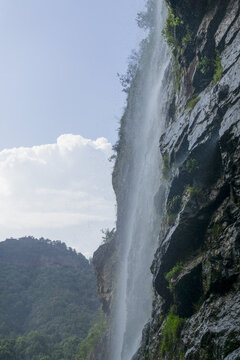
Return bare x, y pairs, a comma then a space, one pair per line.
218, 68
191, 103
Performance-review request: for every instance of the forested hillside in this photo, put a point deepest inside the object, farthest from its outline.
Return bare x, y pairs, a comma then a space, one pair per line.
48, 299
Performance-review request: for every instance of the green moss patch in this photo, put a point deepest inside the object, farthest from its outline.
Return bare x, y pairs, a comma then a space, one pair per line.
166, 166
191, 103
218, 70
173, 273
171, 336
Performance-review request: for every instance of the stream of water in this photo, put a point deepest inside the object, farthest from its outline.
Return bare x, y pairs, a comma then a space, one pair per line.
139, 231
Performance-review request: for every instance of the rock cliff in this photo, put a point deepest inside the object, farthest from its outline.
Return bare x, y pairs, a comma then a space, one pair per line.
105, 261
196, 312
196, 306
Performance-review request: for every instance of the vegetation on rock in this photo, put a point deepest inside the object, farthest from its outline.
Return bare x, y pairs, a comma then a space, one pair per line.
176, 36
195, 193
205, 65
173, 273
218, 70
191, 103
170, 337
171, 218
174, 205
166, 166
108, 235
173, 22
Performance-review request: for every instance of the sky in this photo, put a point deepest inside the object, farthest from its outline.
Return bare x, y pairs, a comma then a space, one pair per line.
58, 67
60, 105
60, 191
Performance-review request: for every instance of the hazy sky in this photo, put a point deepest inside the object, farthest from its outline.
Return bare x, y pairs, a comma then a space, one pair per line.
58, 76
58, 67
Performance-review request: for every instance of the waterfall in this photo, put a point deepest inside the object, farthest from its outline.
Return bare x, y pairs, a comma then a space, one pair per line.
140, 224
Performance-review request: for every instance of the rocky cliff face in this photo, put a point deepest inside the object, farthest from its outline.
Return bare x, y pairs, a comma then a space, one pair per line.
196, 311
196, 307
104, 261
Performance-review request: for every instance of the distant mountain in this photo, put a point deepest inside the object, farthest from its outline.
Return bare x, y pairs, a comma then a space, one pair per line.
46, 290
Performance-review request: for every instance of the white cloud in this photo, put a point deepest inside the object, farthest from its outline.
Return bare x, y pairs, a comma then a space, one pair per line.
60, 191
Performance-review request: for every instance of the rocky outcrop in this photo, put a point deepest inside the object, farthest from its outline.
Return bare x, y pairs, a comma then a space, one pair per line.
196, 310
104, 261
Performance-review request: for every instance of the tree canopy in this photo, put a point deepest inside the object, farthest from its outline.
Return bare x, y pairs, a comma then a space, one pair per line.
48, 300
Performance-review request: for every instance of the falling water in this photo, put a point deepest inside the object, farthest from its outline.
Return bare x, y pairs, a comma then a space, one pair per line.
140, 224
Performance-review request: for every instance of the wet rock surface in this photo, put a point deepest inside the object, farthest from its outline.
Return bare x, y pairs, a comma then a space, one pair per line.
197, 265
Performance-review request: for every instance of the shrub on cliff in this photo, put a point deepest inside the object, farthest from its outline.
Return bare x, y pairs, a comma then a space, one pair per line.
170, 336
108, 235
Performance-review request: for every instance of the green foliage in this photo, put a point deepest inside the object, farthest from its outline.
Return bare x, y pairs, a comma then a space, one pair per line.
108, 235
194, 193
171, 219
211, 66
88, 345
48, 296
7, 350
177, 74
173, 273
218, 70
173, 22
37, 346
176, 36
170, 337
205, 65
187, 38
174, 205
190, 189
191, 103
191, 165
166, 166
